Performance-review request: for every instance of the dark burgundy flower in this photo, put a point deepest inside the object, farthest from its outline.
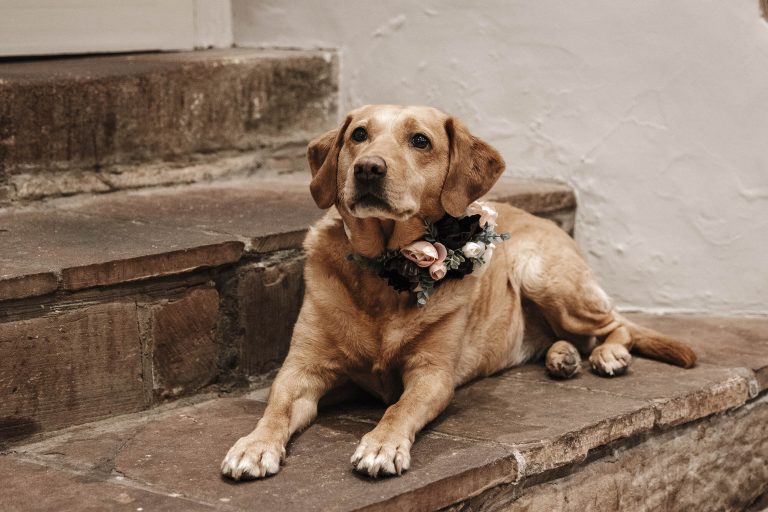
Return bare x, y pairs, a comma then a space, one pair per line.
401, 273
465, 267
454, 233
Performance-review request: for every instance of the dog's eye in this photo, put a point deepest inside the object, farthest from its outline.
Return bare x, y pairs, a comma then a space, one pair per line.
420, 141
359, 134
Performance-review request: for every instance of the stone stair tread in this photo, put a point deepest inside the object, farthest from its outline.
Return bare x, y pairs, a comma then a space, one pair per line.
110, 66
508, 429
720, 341
82, 242
68, 490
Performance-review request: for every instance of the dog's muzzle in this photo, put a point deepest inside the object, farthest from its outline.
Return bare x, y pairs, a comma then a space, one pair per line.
370, 173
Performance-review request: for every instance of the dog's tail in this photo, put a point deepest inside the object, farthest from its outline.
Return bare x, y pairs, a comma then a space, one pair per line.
659, 346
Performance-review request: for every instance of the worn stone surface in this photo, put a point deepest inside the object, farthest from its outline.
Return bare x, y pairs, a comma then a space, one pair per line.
184, 343
180, 452
27, 285
270, 296
28, 486
551, 200
717, 464
96, 112
96, 250
268, 213
122, 237
533, 196
519, 413
198, 168
69, 368
721, 341
722, 459
676, 394
579, 442
507, 410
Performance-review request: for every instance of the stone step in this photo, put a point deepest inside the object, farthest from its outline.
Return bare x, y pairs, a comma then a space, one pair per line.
112, 304
98, 124
657, 438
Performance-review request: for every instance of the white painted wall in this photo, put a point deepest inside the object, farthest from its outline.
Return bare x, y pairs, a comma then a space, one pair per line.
655, 111
50, 27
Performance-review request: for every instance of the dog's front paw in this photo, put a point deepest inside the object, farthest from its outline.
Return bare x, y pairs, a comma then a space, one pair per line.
382, 455
251, 458
610, 359
563, 360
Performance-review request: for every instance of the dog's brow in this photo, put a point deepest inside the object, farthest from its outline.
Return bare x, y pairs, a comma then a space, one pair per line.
386, 118
415, 125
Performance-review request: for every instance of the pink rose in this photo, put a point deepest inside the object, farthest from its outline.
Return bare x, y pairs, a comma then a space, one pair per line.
487, 214
422, 253
437, 271
442, 252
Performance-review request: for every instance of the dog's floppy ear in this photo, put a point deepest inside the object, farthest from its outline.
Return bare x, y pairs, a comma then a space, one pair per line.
473, 168
323, 156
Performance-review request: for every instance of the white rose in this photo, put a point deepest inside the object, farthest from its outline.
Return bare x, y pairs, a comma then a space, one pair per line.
473, 249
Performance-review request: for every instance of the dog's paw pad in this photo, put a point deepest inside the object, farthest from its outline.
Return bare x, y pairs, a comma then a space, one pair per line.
563, 360
382, 456
610, 359
250, 458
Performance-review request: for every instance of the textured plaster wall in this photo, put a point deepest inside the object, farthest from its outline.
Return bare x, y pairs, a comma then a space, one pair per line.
656, 112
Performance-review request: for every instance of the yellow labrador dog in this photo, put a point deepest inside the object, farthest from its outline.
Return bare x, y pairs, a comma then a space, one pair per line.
386, 173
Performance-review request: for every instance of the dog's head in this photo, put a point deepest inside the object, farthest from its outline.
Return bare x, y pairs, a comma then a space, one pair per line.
393, 162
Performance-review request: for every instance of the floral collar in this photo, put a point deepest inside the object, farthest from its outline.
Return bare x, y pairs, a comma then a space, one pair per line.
452, 248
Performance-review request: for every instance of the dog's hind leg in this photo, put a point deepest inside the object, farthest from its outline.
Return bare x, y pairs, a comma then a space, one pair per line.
559, 282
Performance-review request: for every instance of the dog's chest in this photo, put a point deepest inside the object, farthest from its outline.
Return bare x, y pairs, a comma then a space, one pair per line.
385, 384
380, 357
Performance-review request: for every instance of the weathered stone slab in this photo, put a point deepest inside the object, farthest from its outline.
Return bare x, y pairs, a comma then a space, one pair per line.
550, 425
677, 395
27, 285
720, 463
92, 113
720, 341
123, 237
69, 368
550, 200
271, 214
28, 486
96, 250
534, 196
184, 341
270, 296
499, 436
180, 452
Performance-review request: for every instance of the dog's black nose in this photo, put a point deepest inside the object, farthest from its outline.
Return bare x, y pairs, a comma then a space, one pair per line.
370, 168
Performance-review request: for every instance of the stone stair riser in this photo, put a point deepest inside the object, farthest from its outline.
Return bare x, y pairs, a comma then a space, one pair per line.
82, 354
100, 124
